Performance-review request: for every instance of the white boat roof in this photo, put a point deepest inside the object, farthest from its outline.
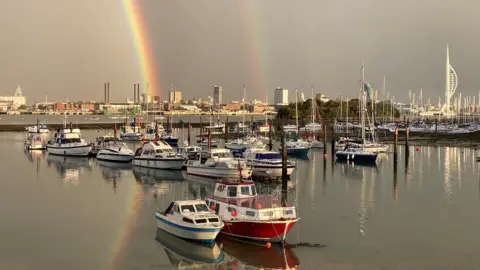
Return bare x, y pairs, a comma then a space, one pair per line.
156, 145
190, 202
217, 150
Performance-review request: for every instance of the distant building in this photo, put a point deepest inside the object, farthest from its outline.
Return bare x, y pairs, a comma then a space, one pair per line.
175, 96
15, 101
217, 96
281, 96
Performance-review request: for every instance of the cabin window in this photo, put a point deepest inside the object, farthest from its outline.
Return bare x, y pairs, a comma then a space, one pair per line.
267, 214
201, 208
187, 220
288, 212
159, 151
230, 209
213, 219
221, 188
250, 213
245, 190
187, 208
254, 191
232, 192
245, 204
176, 209
200, 221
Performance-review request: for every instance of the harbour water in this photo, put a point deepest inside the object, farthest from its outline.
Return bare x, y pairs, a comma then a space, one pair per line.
71, 213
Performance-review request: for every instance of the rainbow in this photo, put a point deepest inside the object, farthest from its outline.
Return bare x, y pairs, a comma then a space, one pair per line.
133, 204
142, 47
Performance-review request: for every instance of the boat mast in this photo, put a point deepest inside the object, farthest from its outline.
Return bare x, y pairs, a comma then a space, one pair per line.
313, 112
243, 114
362, 101
346, 124
296, 108
266, 106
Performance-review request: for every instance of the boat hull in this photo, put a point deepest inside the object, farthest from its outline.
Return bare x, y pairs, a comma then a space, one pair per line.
297, 151
218, 172
157, 163
114, 157
358, 157
270, 171
73, 151
196, 234
268, 231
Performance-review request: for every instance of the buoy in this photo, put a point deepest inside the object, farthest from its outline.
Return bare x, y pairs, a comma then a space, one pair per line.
212, 207
234, 213
268, 245
325, 156
417, 148
259, 206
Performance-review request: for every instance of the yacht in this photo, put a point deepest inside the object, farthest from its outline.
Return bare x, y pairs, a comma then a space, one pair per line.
313, 127
170, 139
268, 164
69, 142
34, 141
204, 142
297, 148
290, 128
356, 155
189, 151
191, 220
158, 155
217, 163
251, 216
100, 143
115, 151
40, 128
128, 134
150, 131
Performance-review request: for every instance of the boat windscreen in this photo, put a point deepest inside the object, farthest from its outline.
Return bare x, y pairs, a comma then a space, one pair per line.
187, 209
201, 208
269, 156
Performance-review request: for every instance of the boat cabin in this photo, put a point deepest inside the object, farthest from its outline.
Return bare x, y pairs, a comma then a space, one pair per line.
238, 199
190, 151
67, 136
265, 155
192, 212
155, 148
215, 155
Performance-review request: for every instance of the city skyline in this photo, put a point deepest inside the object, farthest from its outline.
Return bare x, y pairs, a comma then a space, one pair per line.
70, 51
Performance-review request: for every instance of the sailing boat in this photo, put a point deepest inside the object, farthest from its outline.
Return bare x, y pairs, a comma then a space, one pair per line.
314, 127
358, 152
297, 147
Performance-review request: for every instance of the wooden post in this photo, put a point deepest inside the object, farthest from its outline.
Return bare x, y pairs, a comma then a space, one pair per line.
71, 127
157, 137
115, 130
209, 138
201, 128
188, 136
270, 142
134, 124
395, 140
333, 140
284, 170
436, 125
226, 130
324, 130
407, 149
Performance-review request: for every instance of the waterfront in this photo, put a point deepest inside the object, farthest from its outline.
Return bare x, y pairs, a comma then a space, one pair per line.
68, 213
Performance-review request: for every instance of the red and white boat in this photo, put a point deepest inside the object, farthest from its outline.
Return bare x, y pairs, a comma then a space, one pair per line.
249, 215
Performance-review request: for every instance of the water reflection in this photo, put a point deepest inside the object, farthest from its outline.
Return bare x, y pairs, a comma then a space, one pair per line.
256, 255
69, 168
184, 254
147, 175
113, 170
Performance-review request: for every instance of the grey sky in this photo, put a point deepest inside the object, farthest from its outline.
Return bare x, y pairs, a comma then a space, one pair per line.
69, 48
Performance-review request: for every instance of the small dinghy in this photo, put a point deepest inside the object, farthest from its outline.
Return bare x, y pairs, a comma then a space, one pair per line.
191, 220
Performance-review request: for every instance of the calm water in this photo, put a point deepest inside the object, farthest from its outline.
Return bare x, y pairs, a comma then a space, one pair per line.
70, 213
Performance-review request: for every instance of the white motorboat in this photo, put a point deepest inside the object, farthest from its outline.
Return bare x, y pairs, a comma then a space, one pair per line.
316, 144
128, 134
204, 142
268, 164
356, 155
101, 142
69, 142
34, 141
115, 151
218, 163
158, 155
312, 127
238, 144
191, 220
297, 148
189, 151
290, 128
40, 128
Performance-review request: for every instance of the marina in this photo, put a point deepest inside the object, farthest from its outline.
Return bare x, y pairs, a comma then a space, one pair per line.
350, 214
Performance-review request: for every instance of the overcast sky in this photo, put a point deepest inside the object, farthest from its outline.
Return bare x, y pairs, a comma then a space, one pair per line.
68, 49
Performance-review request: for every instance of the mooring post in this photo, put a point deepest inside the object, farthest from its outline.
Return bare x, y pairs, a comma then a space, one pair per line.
71, 127
115, 130
407, 150
324, 130
436, 125
209, 138
156, 130
270, 142
333, 140
226, 130
201, 131
284, 170
188, 135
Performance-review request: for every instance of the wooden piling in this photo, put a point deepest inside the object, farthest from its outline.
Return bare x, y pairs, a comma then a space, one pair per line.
324, 130
71, 127
188, 135
209, 138
333, 141
226, 130
115, 130
395, 140
270, 142
284, 170
436, 125
157, 137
